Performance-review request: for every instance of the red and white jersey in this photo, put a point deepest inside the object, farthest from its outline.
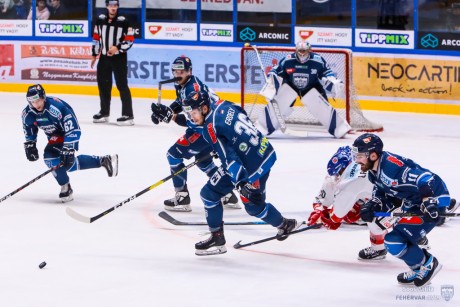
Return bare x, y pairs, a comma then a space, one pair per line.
342, 192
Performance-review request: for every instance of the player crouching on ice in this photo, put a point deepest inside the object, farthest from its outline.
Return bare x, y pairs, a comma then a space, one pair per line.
307, 75
57, 119
246, 156
345, 189
420, 192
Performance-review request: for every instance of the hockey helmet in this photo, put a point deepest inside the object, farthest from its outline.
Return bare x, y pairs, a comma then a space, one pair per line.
112, 2
195, 100
302, 50
340, 160
182, 63
35, 92
367, 143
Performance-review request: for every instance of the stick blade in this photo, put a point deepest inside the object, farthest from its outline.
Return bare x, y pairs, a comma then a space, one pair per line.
77, 216
168, 218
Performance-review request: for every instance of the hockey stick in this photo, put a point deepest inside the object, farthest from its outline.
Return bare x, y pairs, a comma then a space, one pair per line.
165, 82
408, 214
279, 117
32, 181
79, 217
164, 215
239, 245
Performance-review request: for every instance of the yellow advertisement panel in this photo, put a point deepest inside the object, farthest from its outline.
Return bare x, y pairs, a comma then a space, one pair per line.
407, 79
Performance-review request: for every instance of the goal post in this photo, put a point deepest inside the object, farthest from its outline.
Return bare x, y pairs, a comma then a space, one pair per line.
339, 60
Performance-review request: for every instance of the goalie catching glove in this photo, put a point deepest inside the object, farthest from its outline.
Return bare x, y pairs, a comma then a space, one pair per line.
271, 87
161, 113
333, 85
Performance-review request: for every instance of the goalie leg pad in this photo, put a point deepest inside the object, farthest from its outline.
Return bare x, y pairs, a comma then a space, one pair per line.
325, 113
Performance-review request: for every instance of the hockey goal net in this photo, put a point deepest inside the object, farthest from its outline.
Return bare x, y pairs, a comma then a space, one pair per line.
340, 61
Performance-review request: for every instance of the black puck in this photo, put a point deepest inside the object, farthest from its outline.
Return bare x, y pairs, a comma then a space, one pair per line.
42, 265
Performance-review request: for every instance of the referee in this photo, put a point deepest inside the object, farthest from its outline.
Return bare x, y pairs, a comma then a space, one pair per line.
112, 38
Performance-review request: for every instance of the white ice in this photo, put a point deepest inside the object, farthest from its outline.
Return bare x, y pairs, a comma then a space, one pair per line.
131, 257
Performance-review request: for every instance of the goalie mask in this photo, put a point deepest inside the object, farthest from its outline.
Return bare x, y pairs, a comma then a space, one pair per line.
35, 92
302, 51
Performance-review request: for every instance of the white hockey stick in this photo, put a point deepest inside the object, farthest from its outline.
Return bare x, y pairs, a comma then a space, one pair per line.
279, 117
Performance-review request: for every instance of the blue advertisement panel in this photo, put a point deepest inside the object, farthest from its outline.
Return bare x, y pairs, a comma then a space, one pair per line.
219, 69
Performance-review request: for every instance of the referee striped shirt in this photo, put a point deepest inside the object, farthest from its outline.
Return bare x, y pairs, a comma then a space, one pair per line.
112, 32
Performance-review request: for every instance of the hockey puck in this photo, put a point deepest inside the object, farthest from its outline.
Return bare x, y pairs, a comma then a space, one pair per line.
42, 265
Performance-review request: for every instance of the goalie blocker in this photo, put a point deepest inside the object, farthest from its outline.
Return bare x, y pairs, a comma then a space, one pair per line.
318, 106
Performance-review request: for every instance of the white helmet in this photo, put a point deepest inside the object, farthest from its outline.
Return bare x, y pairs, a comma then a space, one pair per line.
302, 50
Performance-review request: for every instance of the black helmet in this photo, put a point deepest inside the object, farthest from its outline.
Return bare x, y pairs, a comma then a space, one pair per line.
35, 92
368, 143
116, 2
182, 63
196, 100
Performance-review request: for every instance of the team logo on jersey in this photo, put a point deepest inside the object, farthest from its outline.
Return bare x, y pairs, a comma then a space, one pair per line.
301, 80
263, 146
243, 147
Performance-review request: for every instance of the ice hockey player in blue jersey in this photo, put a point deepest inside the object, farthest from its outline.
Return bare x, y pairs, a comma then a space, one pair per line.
191, 144
247, 158
307, 75
420, 192
57, 119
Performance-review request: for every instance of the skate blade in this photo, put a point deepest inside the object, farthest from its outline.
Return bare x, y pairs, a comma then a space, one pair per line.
373, 259
114, 165
215, 250
179, 208
66, 199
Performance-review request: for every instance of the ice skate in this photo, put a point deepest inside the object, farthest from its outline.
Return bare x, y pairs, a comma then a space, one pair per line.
230, 201
427, 271
370, 253
214, 245
66, 194
180, 202
110, 163
125, 121
288, 226
99, 118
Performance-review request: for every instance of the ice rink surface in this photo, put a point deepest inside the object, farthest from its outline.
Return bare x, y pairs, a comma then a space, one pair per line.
131, 257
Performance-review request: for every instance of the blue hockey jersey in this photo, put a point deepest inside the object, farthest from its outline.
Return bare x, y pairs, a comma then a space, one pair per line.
57, 120
402, 178
302, 77
245, 153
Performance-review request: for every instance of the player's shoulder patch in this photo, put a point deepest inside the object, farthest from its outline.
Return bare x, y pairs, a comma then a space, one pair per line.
55, 111
316, 57
102, 17
121, 18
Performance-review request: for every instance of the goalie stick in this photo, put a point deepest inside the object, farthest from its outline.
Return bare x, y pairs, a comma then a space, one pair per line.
84, 219
164, 215
32, 181
408, 214
279, 117
240, 245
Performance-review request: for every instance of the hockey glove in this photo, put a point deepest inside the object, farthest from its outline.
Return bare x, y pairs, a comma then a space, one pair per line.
430, 208
31, 150
316, 214
162, 112
250, 193
353, 215
67, 157
368, 209
333, 85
